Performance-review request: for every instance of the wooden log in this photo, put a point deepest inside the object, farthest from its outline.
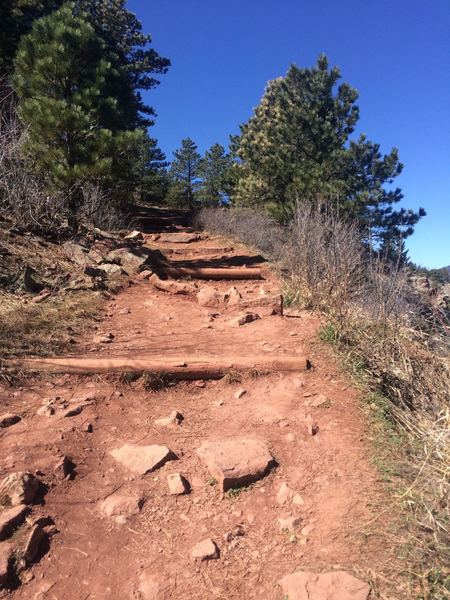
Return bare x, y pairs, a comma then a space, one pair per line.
230, 273
177, 367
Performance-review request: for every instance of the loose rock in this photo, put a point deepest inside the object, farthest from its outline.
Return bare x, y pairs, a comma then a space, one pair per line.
232, 297
284, 494
236, 462
140, 460
290, 524
337, 585
205, 550
244, 319
178, 485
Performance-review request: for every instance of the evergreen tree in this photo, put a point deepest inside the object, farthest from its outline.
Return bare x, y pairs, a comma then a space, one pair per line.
296, 147
16, 19
65, 86
184, 174
130, 52
214, 170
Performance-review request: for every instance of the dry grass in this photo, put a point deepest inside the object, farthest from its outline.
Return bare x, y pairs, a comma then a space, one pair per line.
45, 329
395, 343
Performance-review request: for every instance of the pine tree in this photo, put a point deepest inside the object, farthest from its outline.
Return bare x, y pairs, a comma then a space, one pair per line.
297, 147
129, 49
64, 80
184, 174
16, 19
214, 170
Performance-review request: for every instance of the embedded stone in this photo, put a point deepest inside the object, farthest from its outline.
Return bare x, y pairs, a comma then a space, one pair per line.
237, 461
122, 504
336, 585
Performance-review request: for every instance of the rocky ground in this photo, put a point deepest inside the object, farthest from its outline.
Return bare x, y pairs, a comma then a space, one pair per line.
257, 484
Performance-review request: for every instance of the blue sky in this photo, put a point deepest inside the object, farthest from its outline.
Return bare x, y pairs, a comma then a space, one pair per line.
395, 52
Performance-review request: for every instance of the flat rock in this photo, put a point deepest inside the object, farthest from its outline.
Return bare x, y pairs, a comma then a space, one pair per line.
10, 518
142, 459
122, 504
6, 551
337, 585
205, 550
178, 485
19, 488
180, 237
8, 419
237, 461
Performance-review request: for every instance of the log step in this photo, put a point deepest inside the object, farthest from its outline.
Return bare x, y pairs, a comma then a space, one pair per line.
203, 367
215, 273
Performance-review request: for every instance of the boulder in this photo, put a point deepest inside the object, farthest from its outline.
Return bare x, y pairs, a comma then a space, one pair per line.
237, 461
140, 460
205, 550
8, 419
19, 488
10, 518
132, 260
122, 504
336, 585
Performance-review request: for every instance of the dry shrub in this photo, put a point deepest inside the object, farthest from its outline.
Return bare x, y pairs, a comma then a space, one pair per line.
243, 224
24, 200
394, 340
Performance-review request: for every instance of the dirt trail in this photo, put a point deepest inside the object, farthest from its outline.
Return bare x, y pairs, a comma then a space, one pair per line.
310, 422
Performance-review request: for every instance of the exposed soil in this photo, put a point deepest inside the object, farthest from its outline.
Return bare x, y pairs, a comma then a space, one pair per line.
322, 454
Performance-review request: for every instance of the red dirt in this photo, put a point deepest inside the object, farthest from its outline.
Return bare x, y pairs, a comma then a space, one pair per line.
94, 557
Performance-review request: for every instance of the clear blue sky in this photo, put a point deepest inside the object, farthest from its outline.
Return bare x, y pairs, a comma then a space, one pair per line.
395, 52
